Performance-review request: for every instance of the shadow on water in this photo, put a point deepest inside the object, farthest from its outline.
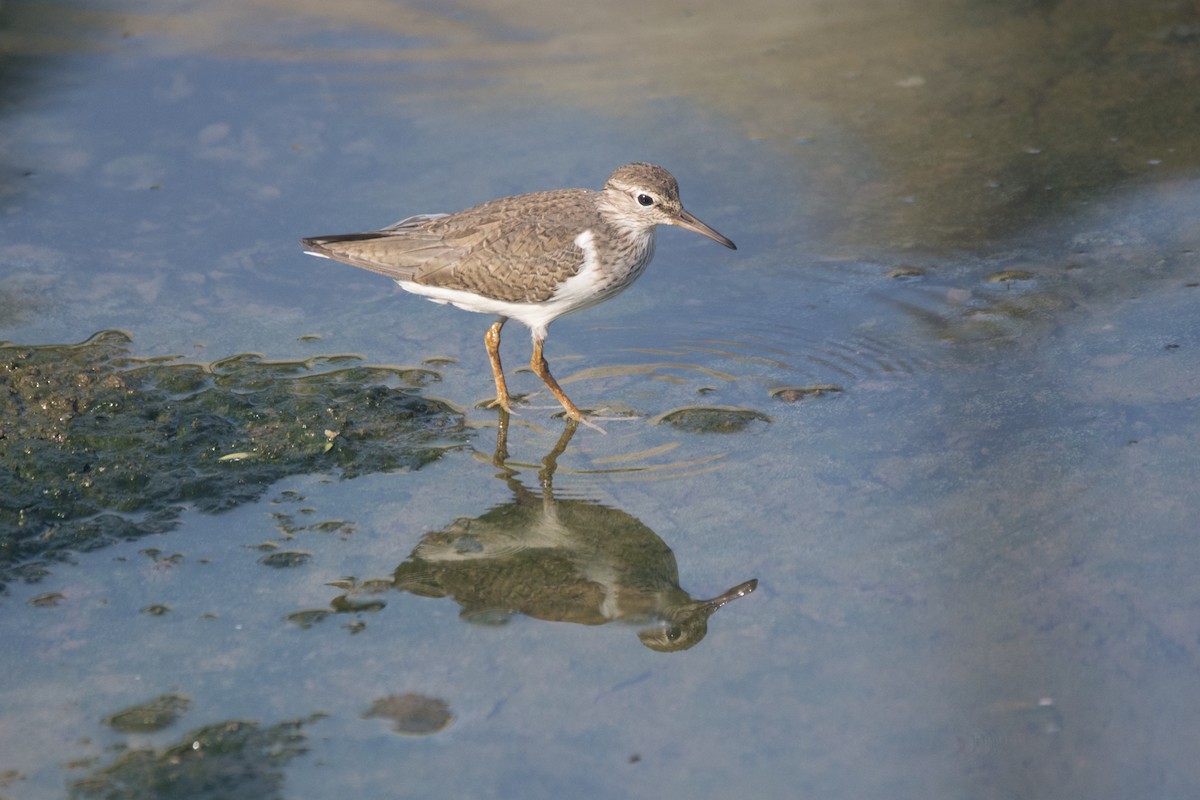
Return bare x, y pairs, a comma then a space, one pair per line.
550, 559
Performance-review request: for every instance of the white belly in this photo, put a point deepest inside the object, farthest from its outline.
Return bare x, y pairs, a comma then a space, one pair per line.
585, 288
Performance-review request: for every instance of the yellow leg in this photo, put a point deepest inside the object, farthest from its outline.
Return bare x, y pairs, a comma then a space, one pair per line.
538, 364
492, 341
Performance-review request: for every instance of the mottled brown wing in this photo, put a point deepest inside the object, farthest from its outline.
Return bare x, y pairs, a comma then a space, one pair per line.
516, 249
395, 252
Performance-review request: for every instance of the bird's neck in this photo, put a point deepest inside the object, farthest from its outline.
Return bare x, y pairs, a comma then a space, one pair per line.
626, 232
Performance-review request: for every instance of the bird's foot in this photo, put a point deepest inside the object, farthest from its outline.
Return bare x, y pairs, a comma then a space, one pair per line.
583, 419
506, 402
591, 417
501, 403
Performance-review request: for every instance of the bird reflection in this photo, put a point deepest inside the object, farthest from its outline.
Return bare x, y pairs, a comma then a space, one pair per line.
560, 560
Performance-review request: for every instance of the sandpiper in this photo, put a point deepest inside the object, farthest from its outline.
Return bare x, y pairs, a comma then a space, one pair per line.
533, 257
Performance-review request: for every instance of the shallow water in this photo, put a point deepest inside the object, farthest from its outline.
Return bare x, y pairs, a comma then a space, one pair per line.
959, 336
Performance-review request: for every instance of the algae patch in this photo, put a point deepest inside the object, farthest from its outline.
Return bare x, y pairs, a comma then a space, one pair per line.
97, 446
230, 759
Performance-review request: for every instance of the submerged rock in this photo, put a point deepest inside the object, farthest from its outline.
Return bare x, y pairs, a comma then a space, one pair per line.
159, 713
712, 419
412, 714
792, 394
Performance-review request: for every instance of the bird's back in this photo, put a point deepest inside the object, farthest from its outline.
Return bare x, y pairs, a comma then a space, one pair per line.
516, 249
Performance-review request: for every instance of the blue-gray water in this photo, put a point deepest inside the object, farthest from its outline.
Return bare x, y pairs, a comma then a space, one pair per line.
976, 555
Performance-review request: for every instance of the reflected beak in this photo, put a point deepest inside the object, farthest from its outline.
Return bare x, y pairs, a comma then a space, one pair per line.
742, 589
686, 220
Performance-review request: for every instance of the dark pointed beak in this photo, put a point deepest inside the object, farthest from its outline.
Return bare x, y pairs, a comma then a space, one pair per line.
686, 220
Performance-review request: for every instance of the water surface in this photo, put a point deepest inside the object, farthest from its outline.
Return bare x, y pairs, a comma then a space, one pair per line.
946, 392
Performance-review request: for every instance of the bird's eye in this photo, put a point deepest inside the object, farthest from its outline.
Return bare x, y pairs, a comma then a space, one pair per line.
645, 199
